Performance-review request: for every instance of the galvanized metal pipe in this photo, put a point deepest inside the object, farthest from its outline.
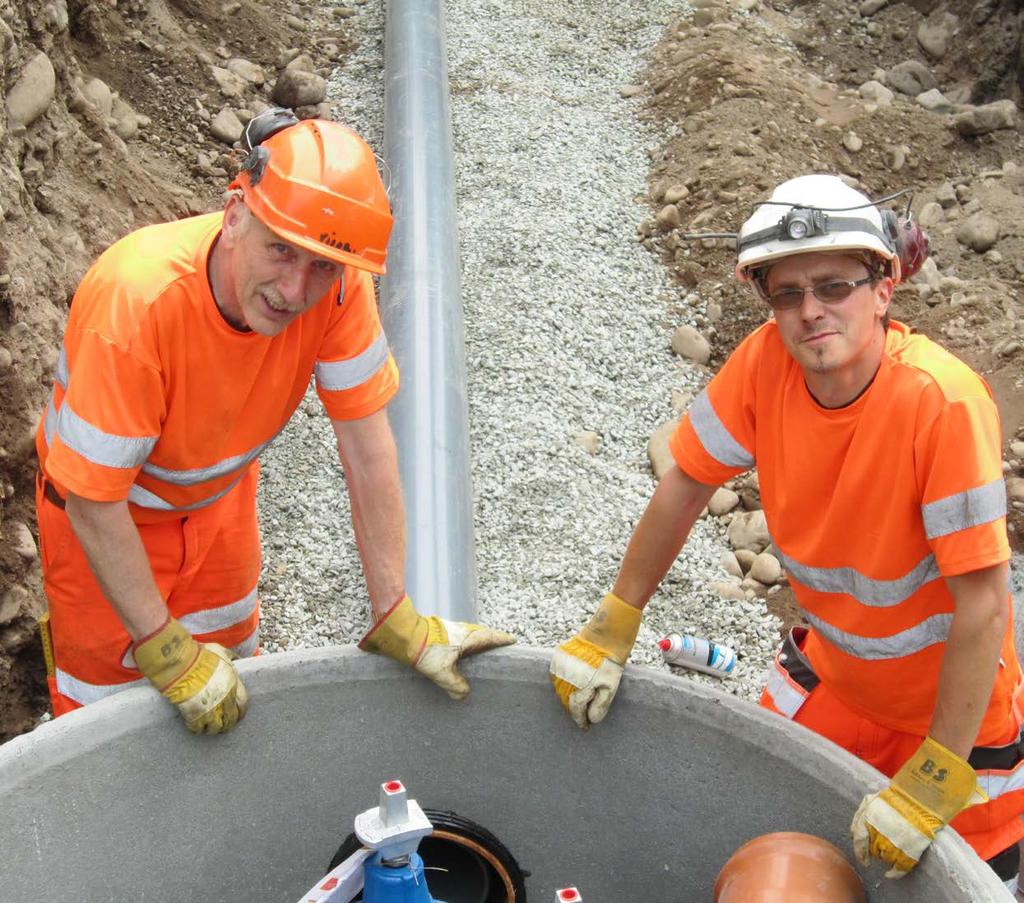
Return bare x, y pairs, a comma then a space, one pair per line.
422, 313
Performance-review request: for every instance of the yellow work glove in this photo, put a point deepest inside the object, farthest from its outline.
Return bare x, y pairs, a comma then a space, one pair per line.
196, 677
586, 670
431, 645
897, 824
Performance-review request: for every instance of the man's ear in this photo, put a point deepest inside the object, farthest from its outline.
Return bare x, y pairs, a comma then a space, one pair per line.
236, 219
884, 289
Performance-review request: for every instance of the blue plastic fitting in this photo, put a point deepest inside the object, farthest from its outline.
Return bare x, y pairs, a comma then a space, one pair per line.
386, 884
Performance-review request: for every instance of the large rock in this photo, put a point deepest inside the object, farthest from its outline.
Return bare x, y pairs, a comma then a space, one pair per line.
15, 602
911, 77
936, 33
126, 122
934, 101
979, 232
668, 218
1000, 114
723, 501
687, 342
33, 91
303, 62
1015, 489
226, 126
728, 589
231, 85
98, 93
731, 565
931, 214
247, 70
766, 569
745, 559
658, 451
945, 194
22, 541
749, 530
296, 88
870, 7
876, 93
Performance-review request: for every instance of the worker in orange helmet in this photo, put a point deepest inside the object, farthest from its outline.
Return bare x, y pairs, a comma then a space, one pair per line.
879, 464
188, 347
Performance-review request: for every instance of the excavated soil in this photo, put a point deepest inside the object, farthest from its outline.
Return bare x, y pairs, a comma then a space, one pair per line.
754, 94
83, 174
751, 93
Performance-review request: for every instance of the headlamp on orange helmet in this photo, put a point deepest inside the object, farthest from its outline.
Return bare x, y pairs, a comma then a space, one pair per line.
315, 184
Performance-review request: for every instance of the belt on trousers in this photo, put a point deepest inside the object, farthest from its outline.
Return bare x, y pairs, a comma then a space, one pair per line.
50, 491
793, 662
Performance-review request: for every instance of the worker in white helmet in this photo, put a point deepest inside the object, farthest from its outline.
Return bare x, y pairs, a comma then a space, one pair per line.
879, 463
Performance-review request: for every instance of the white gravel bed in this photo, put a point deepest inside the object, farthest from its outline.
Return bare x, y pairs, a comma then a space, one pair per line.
567, 330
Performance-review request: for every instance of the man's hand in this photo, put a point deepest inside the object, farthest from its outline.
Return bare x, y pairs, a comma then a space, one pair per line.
196, 677
586, 669
898, 824
431, 645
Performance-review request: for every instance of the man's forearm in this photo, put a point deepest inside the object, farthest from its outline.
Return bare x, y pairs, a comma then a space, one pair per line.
972, 657
370, 460
659, 536
378, 518
118, 560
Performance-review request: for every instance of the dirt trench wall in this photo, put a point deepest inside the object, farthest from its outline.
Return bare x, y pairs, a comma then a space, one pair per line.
108, 121
68, 187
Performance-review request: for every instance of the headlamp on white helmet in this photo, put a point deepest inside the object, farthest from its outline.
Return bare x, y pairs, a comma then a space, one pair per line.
823, 213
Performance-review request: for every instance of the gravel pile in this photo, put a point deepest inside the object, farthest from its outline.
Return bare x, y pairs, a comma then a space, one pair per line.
567, 331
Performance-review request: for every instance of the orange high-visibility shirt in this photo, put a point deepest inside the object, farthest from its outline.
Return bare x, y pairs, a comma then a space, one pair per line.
869, 507
157, 400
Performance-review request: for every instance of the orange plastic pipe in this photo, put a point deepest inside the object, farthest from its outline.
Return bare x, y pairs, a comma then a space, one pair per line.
797, 868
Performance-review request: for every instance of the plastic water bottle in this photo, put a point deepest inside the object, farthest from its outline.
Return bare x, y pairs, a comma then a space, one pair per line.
698, 654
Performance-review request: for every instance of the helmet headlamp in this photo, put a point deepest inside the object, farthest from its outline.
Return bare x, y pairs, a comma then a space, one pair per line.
803, 222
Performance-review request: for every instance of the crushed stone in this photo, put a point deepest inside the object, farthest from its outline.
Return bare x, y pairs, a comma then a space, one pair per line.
567, 330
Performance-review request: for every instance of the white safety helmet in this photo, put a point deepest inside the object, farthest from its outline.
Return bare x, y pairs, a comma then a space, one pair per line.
814, 213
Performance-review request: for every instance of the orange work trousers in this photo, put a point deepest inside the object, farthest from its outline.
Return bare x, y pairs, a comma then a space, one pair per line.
990, 828
206, 565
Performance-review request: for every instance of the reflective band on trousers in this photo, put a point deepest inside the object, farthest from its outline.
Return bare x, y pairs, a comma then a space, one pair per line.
866, 590
333, 376
210, 620
980, 505
996, 783
870, 648
716, 439
785, 696
84, 693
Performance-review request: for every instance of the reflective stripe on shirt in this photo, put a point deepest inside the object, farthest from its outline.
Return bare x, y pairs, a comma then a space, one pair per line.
202, 474
864, 589
930, 631
333, 376
84, 693
716, 439
980, 505
60, 372
99, 447
139, 495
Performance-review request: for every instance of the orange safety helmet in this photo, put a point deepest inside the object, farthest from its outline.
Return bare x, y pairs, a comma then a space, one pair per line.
315, 183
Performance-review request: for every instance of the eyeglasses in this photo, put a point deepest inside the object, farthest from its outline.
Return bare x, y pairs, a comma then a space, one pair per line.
831, 292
